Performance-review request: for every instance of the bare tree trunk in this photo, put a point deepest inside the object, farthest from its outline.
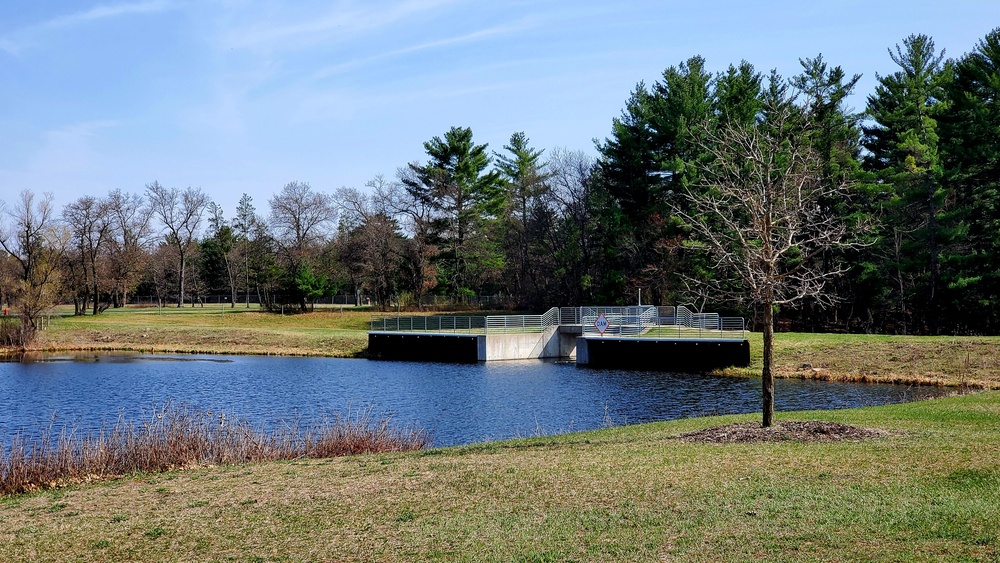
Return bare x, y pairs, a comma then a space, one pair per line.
180, 284
932, 248
97, 286
767, 376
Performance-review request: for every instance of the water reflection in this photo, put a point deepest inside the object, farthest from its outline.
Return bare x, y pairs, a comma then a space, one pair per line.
456, 403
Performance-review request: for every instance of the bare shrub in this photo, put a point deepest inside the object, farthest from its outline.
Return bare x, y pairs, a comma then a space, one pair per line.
178, 437
10, 332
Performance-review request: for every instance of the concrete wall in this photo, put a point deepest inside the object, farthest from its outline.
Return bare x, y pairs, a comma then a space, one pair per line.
523, 346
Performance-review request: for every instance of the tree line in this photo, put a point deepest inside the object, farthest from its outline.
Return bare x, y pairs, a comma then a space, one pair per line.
882, 220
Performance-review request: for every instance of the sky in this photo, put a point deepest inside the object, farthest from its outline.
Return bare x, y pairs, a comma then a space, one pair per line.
244, 96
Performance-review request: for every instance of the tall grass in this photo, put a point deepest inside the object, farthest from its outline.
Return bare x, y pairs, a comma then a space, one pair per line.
178, 437
10, 332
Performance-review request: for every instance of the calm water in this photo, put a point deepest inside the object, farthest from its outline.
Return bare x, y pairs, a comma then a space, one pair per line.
457, 404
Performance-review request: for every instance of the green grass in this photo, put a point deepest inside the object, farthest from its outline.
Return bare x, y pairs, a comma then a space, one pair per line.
928, 491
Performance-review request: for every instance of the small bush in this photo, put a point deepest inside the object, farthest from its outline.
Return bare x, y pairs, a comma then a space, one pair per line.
179, 437
10, 332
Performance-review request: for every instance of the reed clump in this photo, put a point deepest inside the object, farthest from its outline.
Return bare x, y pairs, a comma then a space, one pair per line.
179, 437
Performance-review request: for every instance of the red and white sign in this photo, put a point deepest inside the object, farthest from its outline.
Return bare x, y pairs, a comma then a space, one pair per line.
601, 324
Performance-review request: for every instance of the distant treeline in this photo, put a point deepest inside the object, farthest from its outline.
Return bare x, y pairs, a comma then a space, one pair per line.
551, 228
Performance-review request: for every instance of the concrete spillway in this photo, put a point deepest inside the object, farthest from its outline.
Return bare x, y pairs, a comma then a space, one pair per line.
464, 348
563, 342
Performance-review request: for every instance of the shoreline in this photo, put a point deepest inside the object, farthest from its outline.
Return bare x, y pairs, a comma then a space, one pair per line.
782, 371
968, 362
636, 492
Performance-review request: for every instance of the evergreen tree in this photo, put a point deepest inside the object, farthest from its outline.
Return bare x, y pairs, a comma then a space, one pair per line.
646, 162
465, 196
835, 135
903, 145
971, 154
524, 178
737, 98
629, 180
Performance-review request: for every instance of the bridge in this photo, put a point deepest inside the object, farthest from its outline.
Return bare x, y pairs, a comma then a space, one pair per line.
637, 337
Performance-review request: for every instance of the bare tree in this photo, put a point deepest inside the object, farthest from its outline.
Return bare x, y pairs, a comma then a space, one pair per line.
128, 244
571, 236
764, 214
374, 246
36, 242
180, 212
90, 227
302, 220
301, 217
418, 218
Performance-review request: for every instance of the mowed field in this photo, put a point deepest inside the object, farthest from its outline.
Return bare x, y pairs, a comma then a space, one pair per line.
335, 332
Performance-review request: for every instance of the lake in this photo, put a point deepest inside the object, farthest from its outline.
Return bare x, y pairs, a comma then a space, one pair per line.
455, 403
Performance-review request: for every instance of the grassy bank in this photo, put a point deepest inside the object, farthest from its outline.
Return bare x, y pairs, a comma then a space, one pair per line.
929, 490
331, 331
943, 360
962, 361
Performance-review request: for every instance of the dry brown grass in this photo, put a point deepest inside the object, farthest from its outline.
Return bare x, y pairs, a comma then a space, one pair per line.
178, 437
330, 332
963, 361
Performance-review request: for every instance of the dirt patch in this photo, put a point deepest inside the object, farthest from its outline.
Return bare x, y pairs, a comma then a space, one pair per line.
808, 431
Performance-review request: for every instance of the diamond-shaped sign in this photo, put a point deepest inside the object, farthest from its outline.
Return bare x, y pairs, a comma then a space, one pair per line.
601, 324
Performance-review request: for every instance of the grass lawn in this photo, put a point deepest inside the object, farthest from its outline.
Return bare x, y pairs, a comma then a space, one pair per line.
928, 491
212, 330
961, 361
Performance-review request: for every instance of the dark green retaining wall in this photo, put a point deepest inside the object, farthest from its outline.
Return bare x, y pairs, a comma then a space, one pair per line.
662, 354
452, 348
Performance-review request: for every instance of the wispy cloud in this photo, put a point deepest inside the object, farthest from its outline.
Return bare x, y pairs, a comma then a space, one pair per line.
340, 22
472, 37
107, 11
18, 40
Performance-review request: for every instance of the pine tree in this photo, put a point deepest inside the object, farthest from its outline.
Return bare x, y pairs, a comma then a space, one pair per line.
650, 157
835, 135
971, 155
455, 182
525, 181
903, 142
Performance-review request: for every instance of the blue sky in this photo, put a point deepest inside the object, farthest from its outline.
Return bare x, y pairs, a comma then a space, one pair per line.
241, 96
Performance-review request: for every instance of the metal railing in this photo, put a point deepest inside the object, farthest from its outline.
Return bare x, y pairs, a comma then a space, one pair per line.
493, 324
637, 321
570, 315
622, 321
427, 323
516, 324
662, 322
